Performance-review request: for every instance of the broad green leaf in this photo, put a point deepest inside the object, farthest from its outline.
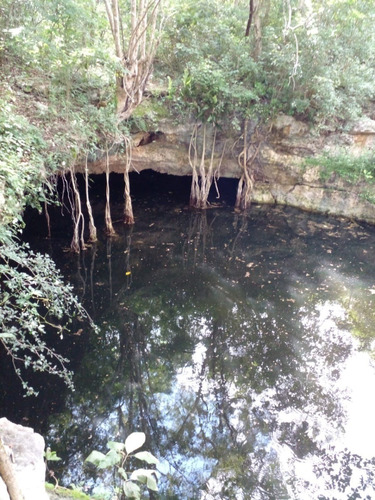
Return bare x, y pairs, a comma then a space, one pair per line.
145, 476
134, 441
146, 456
104, 461
112, 458
115, 445
51, 456
122, 473
96, 458
132, 490
152, 484
139, 475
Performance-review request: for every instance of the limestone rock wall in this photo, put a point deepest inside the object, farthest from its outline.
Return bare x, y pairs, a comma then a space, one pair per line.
280, 174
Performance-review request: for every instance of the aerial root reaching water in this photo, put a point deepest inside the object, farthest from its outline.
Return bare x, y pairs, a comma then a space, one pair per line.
202, 176
246, 161
92, 227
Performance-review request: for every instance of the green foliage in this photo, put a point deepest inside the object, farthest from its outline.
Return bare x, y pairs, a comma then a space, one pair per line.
51, 456
34, 301
353, 169
118, 455
65, 493
21, 165
147, 115
210, 73
319, 67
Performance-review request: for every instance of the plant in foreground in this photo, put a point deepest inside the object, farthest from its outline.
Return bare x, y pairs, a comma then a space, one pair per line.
118, 455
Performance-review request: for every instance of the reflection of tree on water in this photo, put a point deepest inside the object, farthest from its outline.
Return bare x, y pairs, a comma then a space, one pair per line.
233, 378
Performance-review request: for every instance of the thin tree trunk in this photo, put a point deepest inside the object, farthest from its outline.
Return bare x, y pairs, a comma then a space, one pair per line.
246, 182
78, 241
201, 185
138, 57
194, 192
48, 219
8, 476
128, 207
108, 218
92, 228
254, 19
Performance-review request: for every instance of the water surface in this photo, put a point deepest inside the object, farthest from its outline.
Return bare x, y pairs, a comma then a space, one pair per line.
242, 346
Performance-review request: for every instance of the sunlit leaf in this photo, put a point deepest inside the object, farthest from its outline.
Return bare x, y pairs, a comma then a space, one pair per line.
112, 458
152, 484
132, 490
96, 458
115, 445
122, 473
145, 476
51, 456
134, 441
146, 456
103, 461
7, 336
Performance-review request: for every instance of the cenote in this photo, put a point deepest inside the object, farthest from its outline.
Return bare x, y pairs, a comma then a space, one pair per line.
241, 345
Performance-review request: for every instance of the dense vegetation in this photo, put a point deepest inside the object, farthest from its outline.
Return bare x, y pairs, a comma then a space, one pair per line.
59, 70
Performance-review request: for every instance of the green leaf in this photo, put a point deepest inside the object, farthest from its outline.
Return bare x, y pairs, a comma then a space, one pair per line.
134, 441
104, 461
132, 490
96, 458
115, 445
146, 456
145, 476
112, 458
152, 484
51, 456
122, 473
7, 336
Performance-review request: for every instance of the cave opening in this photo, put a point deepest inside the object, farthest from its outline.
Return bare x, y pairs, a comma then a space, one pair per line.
147, 188
162, 188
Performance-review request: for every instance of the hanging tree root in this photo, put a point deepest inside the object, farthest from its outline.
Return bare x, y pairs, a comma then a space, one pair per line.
92, 227
74, 199
246, 181
108, 218
128, 208
202, 176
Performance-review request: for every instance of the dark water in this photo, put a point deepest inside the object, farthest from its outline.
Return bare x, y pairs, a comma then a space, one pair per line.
242, 346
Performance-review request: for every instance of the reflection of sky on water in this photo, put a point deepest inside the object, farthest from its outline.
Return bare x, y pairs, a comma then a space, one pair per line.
355, 433
242, 347
358, 375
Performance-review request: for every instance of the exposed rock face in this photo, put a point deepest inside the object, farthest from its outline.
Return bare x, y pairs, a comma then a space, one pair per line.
27, 448
279, 171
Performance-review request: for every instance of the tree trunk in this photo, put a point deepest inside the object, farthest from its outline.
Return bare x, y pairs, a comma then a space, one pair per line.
128, 208
254, 20
108, 217
201, 184
92, 228
137, 59
78, 241
8, 476
246, 182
